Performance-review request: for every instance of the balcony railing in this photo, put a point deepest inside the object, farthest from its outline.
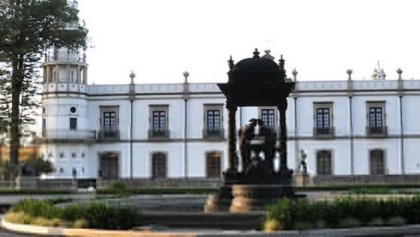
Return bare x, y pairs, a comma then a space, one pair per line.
109, 133
213, 133
65, 134
158, 133
372, 131
324, 132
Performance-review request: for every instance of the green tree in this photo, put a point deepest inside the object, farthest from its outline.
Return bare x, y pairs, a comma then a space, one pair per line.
4, 100
38, 166
27, 29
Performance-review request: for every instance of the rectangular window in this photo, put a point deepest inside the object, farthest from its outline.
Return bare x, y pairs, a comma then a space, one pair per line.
268, 117
73, 123
44, 124
323, 117
323, 120
159, 122
375, 117
109, 122
110, 119
213, 122
213, 119
375, 124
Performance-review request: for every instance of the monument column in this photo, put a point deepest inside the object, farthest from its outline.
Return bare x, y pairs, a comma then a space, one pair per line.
283, 136
232, 159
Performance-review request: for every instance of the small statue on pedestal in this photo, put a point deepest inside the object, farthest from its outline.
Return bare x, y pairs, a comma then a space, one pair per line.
303, 166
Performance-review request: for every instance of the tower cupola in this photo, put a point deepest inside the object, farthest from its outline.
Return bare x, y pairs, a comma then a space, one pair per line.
64, 65
378, 73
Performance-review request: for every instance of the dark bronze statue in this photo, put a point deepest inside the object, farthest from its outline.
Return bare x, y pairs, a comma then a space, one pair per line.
268, 147
251, 145
246, 134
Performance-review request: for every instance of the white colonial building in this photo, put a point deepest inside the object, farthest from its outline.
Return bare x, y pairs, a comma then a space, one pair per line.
144, 131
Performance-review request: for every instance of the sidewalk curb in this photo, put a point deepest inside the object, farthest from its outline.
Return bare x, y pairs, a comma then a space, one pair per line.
48, 231
408, 230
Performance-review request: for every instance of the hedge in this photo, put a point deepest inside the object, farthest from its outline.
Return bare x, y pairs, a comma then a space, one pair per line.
343, 213
89, 215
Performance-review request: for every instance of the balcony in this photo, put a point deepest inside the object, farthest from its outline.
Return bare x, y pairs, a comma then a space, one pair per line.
68, 136
213, 133
109, 133
376, 131
159, 133
324, 132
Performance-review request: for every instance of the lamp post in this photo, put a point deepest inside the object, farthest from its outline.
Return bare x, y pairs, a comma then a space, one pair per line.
131, 97
186, 74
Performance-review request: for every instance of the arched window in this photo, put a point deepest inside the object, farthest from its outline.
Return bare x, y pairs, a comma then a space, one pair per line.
159, 165
213, 164
377, 162
323, 163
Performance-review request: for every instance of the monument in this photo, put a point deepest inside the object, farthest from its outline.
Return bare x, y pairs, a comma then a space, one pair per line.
250, 181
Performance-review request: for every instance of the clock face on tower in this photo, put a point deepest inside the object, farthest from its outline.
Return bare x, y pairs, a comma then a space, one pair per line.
73, 109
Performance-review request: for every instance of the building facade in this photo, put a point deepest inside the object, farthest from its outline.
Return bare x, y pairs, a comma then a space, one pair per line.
164, 131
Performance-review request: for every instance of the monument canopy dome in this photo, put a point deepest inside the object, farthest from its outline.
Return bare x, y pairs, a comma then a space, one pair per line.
256, 70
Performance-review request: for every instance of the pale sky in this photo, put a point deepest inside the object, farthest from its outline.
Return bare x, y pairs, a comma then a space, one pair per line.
160, 39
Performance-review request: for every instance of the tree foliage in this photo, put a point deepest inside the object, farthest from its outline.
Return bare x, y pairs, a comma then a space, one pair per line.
5, 100
27, 29
37, 166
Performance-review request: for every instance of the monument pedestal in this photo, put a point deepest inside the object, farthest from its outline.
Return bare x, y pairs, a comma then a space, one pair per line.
248, 197
245, 193
302, 180
219, 202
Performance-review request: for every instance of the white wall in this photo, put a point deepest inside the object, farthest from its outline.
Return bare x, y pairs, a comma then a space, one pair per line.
88, 112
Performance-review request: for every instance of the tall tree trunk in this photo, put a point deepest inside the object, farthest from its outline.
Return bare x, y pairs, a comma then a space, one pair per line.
17, 78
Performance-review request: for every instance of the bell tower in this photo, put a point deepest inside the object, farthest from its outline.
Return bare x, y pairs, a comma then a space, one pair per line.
65, 126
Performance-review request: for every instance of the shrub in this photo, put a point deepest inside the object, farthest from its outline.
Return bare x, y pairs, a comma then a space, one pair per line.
36, 208
271, 225
395, 221
302, 225
320, 224
281, 212
18, 217
79, 223
371, 190
91, 215
45, 222
376, 222
118, 185
38, 166
349, 222
344, 213
102, 216
54, 201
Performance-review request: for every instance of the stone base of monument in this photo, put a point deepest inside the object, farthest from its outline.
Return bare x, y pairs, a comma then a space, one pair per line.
219, 202
246, 192
302, 180
26, 182
248, 197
